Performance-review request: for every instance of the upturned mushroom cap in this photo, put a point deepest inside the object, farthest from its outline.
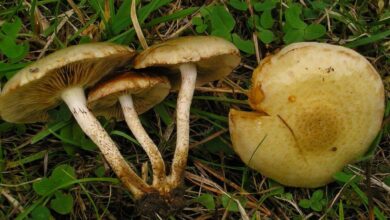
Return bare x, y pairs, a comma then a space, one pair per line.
28, 95
214, 57
319, 107
146, 92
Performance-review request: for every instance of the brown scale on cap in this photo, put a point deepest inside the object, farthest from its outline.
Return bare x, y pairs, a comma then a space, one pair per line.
331, 102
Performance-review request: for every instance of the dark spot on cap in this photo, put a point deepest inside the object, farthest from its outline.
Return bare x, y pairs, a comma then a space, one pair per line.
292, 98
34, 70
334, 149
329, 69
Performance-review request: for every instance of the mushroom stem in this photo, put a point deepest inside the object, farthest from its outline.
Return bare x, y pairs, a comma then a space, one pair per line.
132, 120
186, 92
76, 101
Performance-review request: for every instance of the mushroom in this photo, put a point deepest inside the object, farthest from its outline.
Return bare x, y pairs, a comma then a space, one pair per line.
192, 60
62, 76
317, 108
133, 93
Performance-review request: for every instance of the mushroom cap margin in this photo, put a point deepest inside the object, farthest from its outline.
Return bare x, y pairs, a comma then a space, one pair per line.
214, 57
146, 91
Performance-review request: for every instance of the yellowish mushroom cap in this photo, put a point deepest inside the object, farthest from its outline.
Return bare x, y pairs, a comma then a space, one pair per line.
145, 90
34, 90
318, 107
214, 57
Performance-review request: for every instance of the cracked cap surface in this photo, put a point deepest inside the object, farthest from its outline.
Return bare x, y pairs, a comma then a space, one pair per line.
146, 91
214, 57
318, 107
35, 89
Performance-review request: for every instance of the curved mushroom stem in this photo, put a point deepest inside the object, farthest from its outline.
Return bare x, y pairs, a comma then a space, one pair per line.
187, 87
76, 101
132, 120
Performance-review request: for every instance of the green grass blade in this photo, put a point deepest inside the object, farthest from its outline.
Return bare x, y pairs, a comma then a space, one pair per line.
124, 135
174, 16
29, 159
368, 40
43, 134
27, 211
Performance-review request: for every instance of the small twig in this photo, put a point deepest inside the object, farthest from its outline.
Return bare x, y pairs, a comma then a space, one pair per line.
107, 12
197, 180
189, 23
137, 27
231, 184
77, 10
293, 204
219, 190
59, 26
38, 16
210, 137
326, 14
336, 197
106, 15
180, 30
213, 187
254, 34
374, 180
220, 90
234, 85
217, 90
368, 190
109, 215
15, 203
223, 179
20, 184
45, 162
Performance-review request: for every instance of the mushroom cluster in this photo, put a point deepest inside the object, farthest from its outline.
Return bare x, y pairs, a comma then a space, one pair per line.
316, 107
126, 96
189, 61
64, 75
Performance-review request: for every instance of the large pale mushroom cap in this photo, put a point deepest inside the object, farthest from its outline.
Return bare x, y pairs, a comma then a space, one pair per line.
319, 107
214, 57
145, 90
28, 95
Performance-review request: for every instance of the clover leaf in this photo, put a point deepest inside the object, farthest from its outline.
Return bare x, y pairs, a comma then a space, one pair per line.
207, 200
317, 201
265, 6
314, 31
62, 204
230, 204
239, 5
61, 175
8, 45
40, 213
296, 29
244, 45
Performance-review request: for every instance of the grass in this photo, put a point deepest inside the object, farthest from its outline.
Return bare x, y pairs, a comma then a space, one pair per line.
218, 185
